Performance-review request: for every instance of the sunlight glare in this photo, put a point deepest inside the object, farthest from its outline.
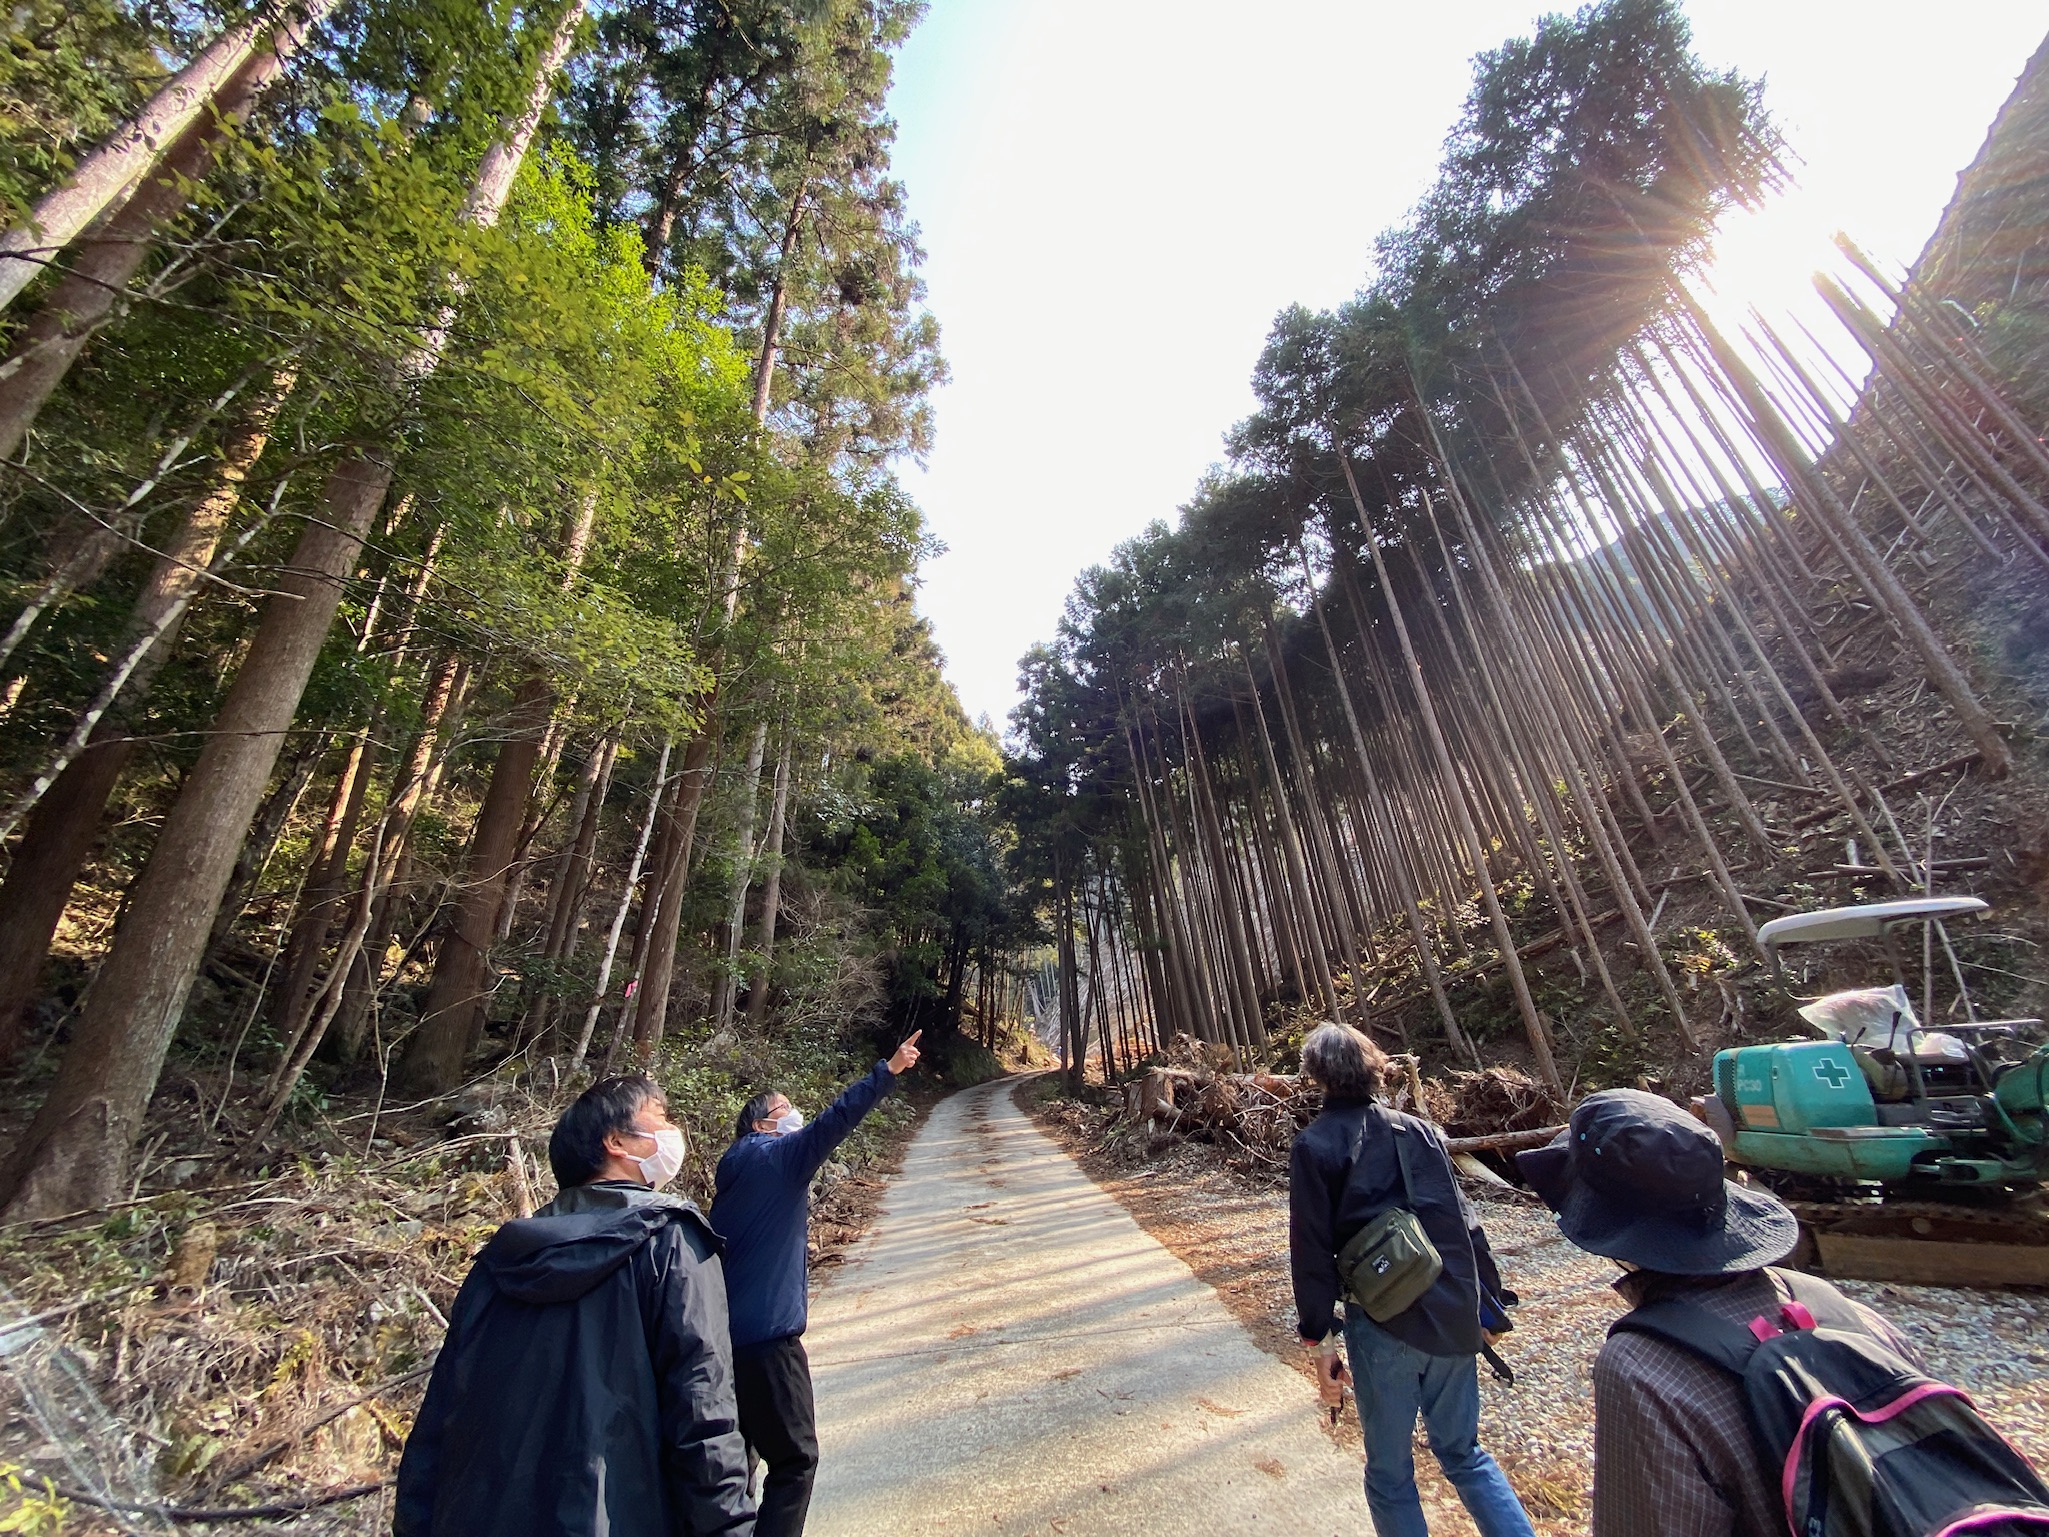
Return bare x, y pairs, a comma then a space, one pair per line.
1765, 260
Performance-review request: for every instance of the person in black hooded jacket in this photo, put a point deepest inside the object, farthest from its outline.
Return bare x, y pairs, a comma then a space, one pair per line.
586, 1383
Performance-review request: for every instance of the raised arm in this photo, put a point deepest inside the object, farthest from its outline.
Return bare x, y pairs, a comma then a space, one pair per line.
804, 1150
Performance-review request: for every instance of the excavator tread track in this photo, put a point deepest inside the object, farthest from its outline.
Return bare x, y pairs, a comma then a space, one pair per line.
1925, 1243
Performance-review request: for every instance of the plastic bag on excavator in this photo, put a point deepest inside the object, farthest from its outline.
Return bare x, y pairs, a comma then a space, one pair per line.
1879, 1027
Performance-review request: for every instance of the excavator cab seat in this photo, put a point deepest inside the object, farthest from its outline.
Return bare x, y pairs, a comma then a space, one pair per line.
1889, 1046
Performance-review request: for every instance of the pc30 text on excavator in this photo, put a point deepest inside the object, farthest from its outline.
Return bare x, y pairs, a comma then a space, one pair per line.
1911, 1151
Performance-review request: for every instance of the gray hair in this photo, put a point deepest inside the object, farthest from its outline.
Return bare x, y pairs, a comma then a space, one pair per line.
1344, 1061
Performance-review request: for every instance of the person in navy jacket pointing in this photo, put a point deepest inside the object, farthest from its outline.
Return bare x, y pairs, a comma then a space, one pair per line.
763, 1212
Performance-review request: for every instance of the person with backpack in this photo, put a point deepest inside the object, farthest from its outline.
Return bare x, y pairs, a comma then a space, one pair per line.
1738, 1399
1376, 1221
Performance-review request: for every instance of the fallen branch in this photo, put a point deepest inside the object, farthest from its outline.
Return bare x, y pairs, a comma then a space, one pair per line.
101, 1212
1502, 1141
1905, 782
1867, 872
227, 1512
1779, 784
71, 1307
235, 1472
1771, 902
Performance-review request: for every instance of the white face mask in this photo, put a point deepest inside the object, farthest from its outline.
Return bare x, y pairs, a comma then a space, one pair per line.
663, 1164
790, 1120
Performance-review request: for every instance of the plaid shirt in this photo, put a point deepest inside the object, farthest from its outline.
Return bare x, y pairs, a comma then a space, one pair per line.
1673, 1450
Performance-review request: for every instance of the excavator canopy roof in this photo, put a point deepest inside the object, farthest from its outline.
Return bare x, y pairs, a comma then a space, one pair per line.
1866, 922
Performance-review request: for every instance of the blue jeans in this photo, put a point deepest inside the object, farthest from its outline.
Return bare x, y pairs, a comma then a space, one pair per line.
1395, 1383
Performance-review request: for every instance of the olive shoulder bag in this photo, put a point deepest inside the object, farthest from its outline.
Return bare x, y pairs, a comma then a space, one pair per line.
1390, 1262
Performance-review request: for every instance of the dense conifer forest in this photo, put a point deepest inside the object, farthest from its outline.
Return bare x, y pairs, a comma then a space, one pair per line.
462, 593
1547, 630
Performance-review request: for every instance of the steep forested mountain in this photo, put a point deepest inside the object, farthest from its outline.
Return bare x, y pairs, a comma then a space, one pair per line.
1534, 601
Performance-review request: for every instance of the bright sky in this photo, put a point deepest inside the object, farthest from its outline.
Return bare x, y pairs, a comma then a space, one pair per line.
1117, 197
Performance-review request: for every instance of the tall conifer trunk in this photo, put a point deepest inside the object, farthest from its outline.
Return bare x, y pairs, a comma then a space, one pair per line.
651, 1005
183, 107
1426, 957
1316, 815
655, 796
778, 304
726, 989
1812, 490
60, 831
1539, 1039
74, 1154
1073, 1044
93, 289
569, 883
280, 803
412, 790
458, 999
1236, 940
771, 887
1291, 846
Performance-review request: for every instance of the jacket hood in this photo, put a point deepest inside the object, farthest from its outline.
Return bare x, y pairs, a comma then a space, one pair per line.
579, 1239
612, 1195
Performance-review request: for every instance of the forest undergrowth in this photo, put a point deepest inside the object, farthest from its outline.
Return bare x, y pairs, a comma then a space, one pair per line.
255, 1337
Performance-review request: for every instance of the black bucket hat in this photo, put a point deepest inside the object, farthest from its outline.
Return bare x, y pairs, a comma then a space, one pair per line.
1633, 1177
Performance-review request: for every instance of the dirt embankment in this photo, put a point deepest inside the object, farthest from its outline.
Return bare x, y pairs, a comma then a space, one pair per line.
1230, 1225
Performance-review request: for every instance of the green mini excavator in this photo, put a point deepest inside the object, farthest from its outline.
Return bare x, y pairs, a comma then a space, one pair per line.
1911, 1151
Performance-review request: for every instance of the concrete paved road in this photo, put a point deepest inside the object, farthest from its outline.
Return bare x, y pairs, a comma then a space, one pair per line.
1009, 1352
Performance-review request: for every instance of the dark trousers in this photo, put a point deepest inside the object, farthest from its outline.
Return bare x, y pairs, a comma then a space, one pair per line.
773, 1384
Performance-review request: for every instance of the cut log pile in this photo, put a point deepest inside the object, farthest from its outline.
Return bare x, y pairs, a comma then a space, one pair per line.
1195, 1095
1498, 1099
1257, 1113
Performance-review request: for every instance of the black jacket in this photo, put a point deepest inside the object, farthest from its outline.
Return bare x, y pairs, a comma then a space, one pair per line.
586, 1384
1327, 1207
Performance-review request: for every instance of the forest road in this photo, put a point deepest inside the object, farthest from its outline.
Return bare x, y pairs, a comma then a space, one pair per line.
1007, 1351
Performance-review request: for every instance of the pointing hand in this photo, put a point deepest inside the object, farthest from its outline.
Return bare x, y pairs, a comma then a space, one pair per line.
906, 1056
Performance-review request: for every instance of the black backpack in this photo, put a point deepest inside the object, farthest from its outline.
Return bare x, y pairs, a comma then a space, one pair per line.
1865, 1445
